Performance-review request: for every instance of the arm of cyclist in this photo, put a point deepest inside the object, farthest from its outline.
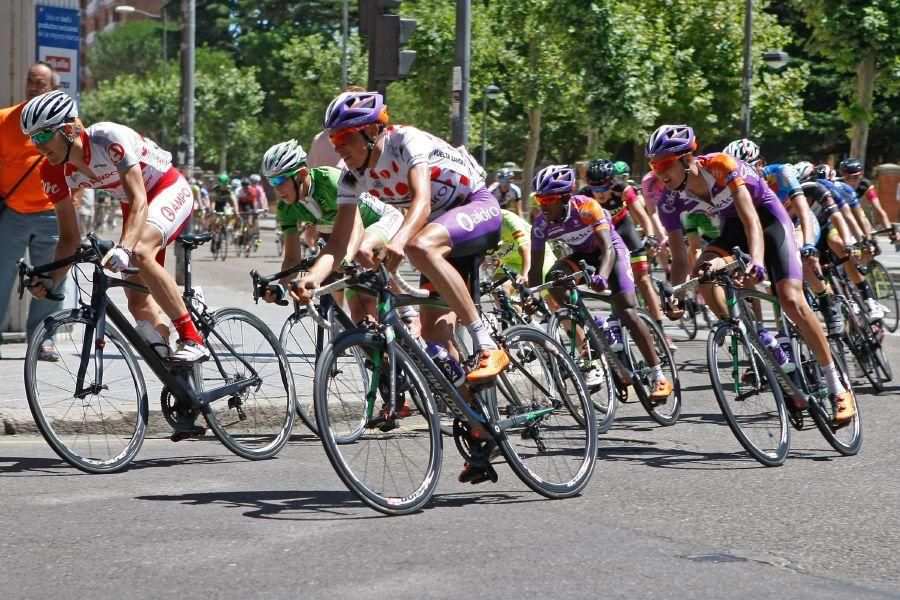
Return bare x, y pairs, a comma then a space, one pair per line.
535, 274
872, 196
416, 217
69, 238
850, 219
607, 258
747, 214
638, 212
863, 221
679, 271
119, 257
293, 252
840, 224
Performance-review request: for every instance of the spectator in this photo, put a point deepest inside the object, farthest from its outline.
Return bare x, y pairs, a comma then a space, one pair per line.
27, 219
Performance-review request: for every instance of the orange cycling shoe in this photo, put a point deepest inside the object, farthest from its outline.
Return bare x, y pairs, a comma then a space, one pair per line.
846, 407
663, 390
490, 363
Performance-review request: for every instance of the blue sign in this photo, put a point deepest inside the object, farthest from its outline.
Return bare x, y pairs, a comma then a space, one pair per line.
58, 42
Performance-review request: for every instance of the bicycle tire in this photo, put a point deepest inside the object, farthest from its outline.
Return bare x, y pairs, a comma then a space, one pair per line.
772, 444
858, 343
78, 441
404, 473
886, 293
688, 321
666, 413
256, 423
847, 439
555, 453
604, 395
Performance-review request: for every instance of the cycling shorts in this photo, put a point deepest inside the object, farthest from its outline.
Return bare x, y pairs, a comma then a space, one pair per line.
247, 208
782, 256
638, 254
701, 224
169, 205
621, 278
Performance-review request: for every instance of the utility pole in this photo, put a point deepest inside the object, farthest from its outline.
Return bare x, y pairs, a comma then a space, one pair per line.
186, 140
748, 43
460, 108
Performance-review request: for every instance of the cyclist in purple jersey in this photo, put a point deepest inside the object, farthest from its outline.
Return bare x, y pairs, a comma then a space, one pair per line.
587, 229
753, 219
450, 215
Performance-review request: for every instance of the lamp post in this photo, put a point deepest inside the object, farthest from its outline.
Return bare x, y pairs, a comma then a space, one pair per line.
775, 59
489, 92
126, 9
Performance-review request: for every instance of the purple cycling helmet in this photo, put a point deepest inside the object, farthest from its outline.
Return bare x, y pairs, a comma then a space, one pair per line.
555, 179
355, 109
671, 139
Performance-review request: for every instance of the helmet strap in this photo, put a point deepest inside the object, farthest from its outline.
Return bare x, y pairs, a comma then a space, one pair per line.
687, 171
70, 140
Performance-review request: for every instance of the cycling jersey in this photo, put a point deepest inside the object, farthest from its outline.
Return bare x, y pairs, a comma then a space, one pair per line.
723, 175
221, 197
863, 188
323, 191
110, 150
782, 179
843, 192
512, 193
652, 189
698, 223
515, 232
820, 198
247, 199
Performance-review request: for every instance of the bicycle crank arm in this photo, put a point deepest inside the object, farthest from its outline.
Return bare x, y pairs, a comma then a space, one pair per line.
528, 417
227, 390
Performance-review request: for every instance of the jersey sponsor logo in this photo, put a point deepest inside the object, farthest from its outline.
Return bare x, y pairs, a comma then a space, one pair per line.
480, 215
116, 152
50, 188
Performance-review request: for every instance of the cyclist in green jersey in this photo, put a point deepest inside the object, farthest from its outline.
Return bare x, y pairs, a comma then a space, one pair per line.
308, 195
514, 251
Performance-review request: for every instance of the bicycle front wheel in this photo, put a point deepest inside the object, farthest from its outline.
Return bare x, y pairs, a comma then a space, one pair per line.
858, 343
254, 423
392, 465
94, 421
549, 430
748, 395
885, 293
303, 340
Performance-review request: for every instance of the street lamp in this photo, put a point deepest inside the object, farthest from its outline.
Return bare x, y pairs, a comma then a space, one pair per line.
126, 9
490, 91
775, 59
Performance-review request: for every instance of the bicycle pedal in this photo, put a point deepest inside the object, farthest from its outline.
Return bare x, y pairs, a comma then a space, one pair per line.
195, 432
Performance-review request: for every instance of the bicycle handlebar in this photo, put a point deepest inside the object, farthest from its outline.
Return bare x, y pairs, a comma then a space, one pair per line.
742, 260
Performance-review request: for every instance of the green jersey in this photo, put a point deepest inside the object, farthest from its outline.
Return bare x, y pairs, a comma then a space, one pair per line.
320, 205
515, 232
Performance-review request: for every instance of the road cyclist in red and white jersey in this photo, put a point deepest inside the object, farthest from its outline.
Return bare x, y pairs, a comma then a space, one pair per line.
450, 219
156, 202
752, 218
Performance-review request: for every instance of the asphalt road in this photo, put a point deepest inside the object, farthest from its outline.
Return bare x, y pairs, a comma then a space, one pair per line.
677, 512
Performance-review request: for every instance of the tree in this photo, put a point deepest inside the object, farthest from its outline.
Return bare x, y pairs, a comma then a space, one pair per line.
130, 48
858, 38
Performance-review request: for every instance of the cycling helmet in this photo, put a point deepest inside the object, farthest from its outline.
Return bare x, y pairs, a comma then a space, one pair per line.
600, 172
504, 174
245, 182
355, 109
824, 171
47, 110
743, 149
850, 166
255, 178
671, 139
223, 178
283, 158
804, 170
622, 168
235, 183
555, 179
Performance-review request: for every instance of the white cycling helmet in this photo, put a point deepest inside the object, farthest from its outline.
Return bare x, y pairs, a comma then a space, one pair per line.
743, 149
804, 170
48, 110
283, 158
235, 183
255, 178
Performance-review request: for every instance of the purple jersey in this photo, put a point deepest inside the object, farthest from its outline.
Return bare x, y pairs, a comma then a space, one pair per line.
584, 217
723, 175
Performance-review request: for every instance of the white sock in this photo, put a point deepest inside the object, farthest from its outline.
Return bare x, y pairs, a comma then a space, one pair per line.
481, 335
835, 386
656, 375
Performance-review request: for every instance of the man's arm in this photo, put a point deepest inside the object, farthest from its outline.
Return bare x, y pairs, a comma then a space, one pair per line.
747, 214
414, 220
133, 185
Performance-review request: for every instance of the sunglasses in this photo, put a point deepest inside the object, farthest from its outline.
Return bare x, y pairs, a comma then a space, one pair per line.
343, 137
599, 189
42, 137
662, 165
548, 199
279, 179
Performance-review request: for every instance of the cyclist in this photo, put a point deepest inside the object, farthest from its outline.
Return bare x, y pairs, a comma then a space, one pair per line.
262, 204
753, 219
308, 195
156, 201
583, 224
608, 186
451, 218
782, 180
248, 200
851, 172
508, 194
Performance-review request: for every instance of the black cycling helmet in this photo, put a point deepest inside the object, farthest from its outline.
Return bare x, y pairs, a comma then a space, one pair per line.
600, 172
245, 182
505, 173
850, 166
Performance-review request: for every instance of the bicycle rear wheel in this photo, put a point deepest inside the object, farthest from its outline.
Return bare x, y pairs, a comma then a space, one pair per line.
885, 293
592, 365
857, 341
256, 422
666, 412
101, 429
688, 322
394, 466
553, 445
748, 394
846, 439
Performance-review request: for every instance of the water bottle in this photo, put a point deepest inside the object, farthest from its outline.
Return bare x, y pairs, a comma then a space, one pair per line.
784, 342
614, 339
769, 341
445, 361
147, 331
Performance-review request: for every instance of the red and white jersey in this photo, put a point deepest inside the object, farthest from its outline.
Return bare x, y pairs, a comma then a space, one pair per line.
109, 151
454, 173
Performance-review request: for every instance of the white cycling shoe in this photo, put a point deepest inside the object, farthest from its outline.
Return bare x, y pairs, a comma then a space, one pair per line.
189, 351
874, 309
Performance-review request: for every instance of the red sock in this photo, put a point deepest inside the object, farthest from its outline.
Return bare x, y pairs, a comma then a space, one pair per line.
186, 329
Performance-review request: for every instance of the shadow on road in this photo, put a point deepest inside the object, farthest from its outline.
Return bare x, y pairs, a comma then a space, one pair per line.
13, 465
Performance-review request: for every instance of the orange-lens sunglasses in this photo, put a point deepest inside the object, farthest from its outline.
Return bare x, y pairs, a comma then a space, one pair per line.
344, 136
549, 199
662, 165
